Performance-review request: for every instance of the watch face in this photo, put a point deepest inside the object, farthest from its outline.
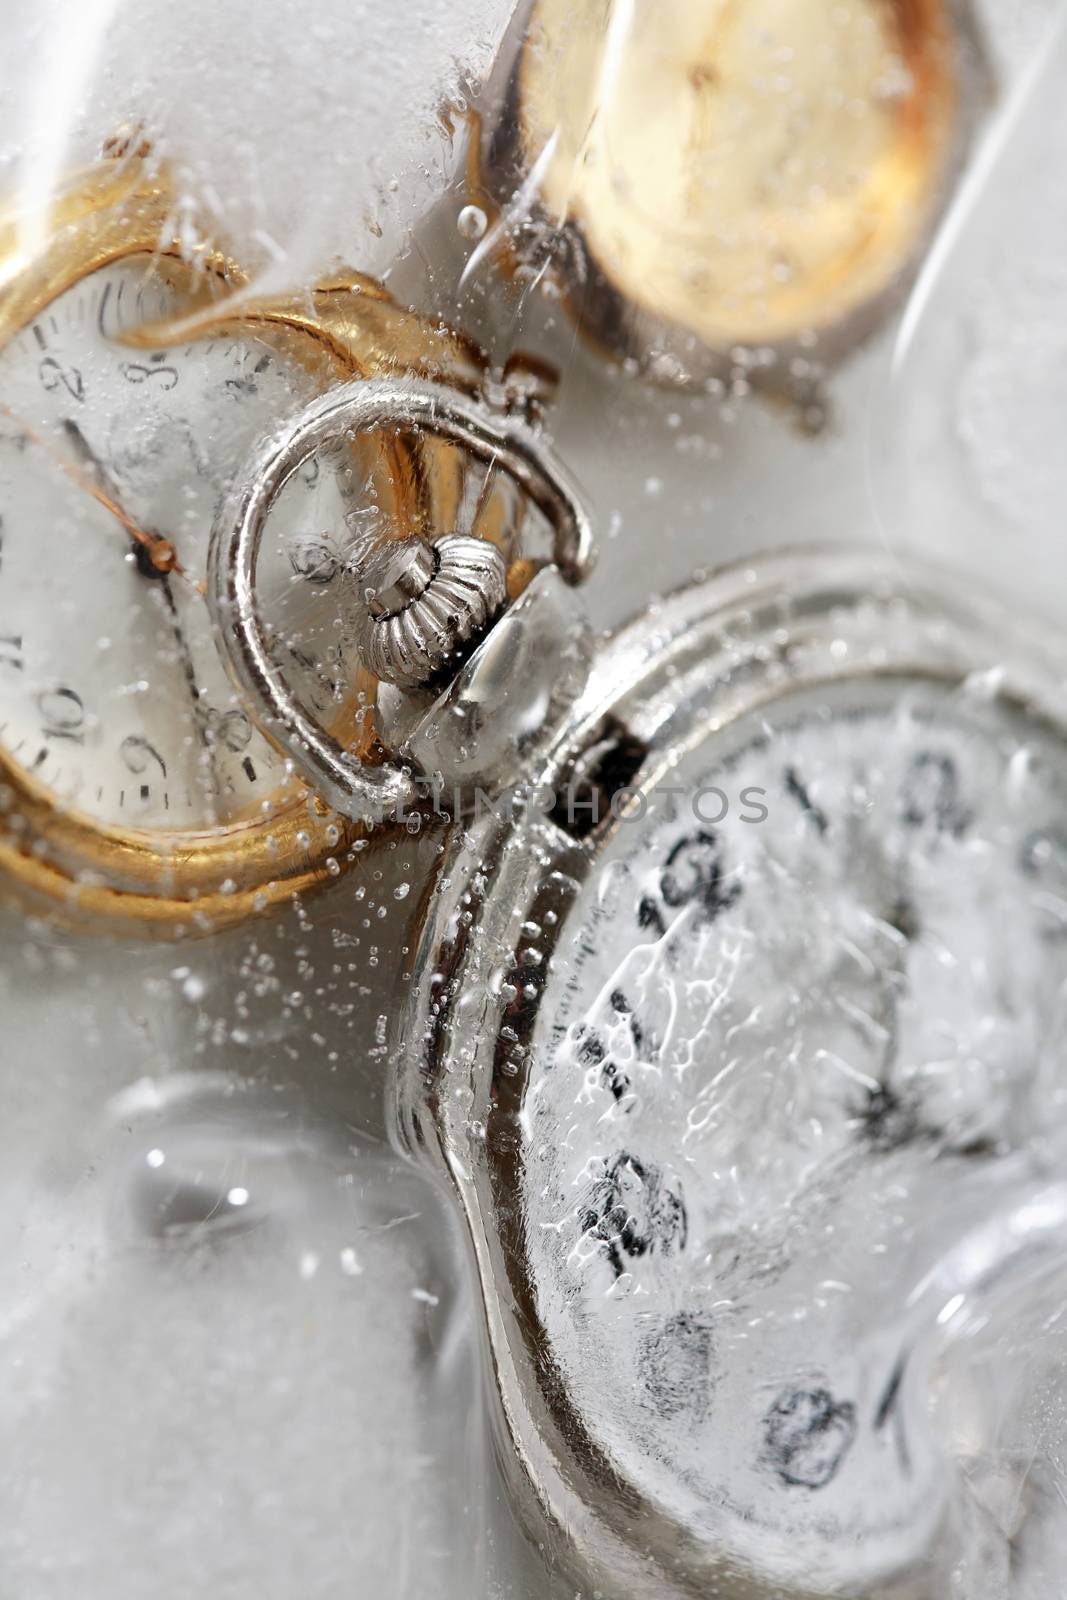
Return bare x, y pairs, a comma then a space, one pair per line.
797, 999
724, 1071
113, 459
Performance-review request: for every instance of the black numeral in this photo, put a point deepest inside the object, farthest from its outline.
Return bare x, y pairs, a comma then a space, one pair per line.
675, 1365
314, 561
593, 1052
231, 729
161, 377
62, 714
692, 874
795, 787
806, 1436
247, 384
54, 375
930, 795
11, 652
646, 1045
138, 755
634, 1211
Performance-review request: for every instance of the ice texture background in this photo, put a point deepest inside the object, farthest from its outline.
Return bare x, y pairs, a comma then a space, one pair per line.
966, 460
311, 134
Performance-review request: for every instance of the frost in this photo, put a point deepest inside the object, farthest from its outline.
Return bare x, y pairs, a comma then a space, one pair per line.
180, 1387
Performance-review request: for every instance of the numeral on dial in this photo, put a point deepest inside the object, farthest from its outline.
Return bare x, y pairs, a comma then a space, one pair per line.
930, 794
313, 560
62, 714
633, 1211
231, 729
11, 652
693, 874
163, 378
138, 754
54, 375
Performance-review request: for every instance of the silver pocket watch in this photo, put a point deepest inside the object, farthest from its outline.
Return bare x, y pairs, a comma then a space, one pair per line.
735, 995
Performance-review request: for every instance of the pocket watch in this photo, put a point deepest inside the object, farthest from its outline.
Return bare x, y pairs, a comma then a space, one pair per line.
134, 791
735, 985
711, 179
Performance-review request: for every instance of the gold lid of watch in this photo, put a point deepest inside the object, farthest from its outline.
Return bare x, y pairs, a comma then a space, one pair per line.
731, 173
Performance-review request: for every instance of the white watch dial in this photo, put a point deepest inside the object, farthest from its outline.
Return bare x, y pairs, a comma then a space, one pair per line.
112, 693
769, 1039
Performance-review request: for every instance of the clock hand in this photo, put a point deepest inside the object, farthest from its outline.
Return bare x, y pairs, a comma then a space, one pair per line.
159, 552
189, 672
160, 562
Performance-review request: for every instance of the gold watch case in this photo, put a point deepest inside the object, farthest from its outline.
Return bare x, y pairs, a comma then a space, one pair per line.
711, 177
62, 865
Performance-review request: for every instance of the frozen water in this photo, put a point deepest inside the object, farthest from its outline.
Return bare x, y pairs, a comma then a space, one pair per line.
967, 467
282, 124
210, 1394
227, 1345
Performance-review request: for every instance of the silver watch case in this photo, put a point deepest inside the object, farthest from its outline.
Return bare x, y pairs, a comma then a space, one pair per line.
667, 683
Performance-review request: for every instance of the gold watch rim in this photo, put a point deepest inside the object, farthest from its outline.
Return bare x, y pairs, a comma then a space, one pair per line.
626, 317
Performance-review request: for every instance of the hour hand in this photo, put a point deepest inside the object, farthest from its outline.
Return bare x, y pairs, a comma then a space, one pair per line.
90, 458
157, 554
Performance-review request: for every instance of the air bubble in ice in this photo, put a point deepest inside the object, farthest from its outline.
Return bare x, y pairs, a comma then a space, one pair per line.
471, 222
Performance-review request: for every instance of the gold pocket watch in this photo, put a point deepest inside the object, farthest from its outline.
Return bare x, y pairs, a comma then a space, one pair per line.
710, 177
134, 791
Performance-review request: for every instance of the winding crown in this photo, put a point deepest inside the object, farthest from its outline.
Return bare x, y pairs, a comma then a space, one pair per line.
424, 605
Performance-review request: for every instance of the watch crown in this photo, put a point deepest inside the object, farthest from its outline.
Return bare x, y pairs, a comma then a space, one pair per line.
425, 606
395, 575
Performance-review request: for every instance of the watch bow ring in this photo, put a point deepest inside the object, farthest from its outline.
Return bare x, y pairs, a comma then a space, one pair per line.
396, 580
